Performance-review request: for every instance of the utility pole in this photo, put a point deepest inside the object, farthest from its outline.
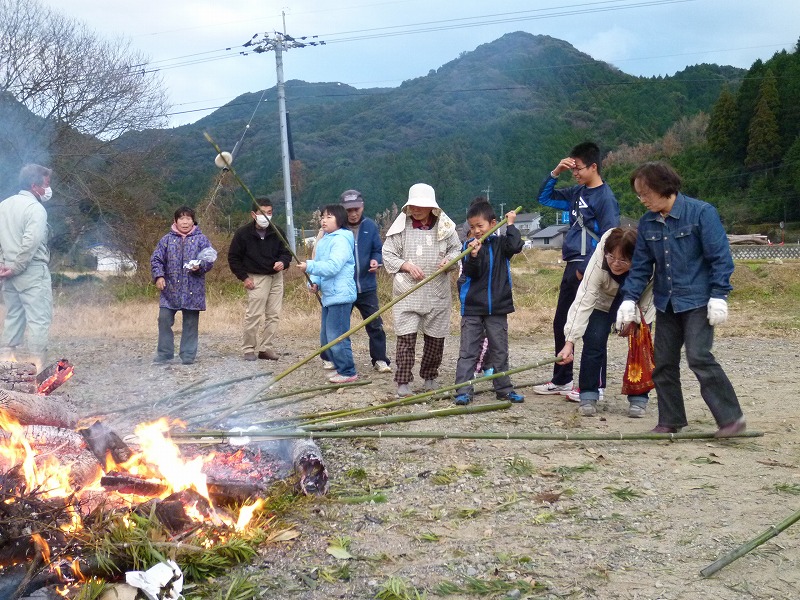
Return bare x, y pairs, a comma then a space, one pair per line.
287, 171
279, 43
502, 205
487, 191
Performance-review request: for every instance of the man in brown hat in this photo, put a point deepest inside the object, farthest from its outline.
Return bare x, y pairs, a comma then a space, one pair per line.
368, 261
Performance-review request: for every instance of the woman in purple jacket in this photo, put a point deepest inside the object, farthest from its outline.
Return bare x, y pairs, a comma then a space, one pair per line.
179, 265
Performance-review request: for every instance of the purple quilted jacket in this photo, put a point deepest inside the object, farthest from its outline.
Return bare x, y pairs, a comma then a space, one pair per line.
185, 288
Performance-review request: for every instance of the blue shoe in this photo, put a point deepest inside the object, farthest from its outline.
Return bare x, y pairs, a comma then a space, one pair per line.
512, 397
489, 371
463, 399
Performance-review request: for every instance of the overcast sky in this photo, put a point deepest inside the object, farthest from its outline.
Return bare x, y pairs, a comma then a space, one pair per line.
380, 43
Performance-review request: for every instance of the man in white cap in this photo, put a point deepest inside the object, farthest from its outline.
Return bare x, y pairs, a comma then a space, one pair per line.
420, 241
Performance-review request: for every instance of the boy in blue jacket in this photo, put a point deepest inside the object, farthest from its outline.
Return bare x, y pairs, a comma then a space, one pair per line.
486, 300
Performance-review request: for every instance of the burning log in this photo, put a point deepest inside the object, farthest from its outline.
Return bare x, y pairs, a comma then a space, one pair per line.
307, 461
103, 443
54, 376
35, 409
130, 484
19, 376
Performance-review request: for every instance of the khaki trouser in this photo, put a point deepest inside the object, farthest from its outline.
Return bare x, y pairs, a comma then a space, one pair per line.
264, 304
29, 302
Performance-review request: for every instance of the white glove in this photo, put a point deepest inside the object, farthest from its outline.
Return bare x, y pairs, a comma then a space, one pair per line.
627, 313
717, 311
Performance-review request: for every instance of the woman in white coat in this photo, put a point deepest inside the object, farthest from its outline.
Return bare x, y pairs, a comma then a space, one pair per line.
593, 313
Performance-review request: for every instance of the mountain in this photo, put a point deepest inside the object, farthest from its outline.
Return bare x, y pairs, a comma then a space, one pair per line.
500, 115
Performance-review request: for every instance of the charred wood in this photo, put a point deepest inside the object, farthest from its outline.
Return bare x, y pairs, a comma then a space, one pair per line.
35, 409
130, 484
103, 442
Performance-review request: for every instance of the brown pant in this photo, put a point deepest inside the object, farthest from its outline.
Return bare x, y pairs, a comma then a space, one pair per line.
432, 352
264, 303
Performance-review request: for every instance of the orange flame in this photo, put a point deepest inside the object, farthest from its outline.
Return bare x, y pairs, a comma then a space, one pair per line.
246, 514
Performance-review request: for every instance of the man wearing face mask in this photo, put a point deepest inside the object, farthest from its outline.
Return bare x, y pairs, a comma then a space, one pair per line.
258, 257
24, 256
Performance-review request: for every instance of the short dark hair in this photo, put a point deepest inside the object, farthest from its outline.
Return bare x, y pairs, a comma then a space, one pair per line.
588, 152
32, 174
263, 201
339, 213
622, 239
187, 211
482, 209
659, 177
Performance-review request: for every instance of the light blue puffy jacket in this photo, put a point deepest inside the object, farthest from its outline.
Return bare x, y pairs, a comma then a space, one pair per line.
333, 268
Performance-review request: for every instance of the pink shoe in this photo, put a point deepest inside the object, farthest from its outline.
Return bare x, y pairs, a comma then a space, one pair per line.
343, 378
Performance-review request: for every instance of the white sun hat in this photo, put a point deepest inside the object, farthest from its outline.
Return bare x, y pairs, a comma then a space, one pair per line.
422, 195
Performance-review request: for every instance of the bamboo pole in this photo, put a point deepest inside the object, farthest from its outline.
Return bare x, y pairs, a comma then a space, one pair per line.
255, 203
369, 422
201, 437
374, 315
754, 543
329, 387
415, 399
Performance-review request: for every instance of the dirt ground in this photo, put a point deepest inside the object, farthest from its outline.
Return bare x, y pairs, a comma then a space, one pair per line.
543, 519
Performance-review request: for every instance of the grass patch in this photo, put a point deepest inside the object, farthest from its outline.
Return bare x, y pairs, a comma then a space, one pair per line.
626, 494
520, 466
788, 488
566, 472
396, 588
486, 587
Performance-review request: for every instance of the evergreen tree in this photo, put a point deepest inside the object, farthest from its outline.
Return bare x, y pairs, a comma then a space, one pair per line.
721, 132
763, 144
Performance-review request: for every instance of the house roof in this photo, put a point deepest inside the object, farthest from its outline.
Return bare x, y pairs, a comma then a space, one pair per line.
549, 232
524, 217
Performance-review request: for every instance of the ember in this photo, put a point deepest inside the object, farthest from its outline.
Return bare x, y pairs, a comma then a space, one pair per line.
54, 376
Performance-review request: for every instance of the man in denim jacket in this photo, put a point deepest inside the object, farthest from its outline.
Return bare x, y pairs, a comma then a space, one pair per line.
684, 240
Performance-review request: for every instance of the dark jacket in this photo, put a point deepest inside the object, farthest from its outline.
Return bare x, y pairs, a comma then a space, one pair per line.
691, 255
249, 254
597, 207
485, 282
368, 247
185, 289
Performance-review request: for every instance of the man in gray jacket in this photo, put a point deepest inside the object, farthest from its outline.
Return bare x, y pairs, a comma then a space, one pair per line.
24, 256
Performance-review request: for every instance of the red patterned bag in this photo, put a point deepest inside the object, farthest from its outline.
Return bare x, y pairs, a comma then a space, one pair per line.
638, 378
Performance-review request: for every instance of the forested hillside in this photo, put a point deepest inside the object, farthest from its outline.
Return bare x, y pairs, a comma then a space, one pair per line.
498, 116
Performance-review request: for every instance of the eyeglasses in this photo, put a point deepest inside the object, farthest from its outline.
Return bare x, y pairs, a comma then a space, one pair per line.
577, 169
610, 258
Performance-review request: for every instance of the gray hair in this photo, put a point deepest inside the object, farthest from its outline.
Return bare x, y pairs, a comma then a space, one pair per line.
32, 174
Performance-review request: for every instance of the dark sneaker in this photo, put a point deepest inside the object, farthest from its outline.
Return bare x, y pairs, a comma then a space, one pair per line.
664, 429
463, 399
514, 397
732, 429
268, 355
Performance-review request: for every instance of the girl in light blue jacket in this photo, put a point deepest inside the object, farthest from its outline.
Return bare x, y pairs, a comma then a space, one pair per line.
331, 272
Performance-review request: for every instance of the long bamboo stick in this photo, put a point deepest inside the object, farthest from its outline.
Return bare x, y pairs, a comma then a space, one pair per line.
369, 422
427, 395
754, 543
297, 391
255, 203
459, 435
374, 315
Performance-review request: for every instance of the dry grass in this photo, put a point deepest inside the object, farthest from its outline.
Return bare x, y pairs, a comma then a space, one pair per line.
763, 303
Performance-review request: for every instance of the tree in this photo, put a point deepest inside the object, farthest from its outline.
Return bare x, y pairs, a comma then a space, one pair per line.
61, 71
763, 143
721, 132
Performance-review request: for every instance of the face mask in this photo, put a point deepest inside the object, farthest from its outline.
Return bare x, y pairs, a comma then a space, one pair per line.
262, 221
48, 193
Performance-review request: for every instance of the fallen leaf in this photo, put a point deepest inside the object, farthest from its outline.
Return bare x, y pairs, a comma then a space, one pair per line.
284, 535
548, 497
339, 552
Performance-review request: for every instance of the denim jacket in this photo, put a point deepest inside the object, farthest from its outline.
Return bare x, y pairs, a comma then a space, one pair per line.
691, 254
